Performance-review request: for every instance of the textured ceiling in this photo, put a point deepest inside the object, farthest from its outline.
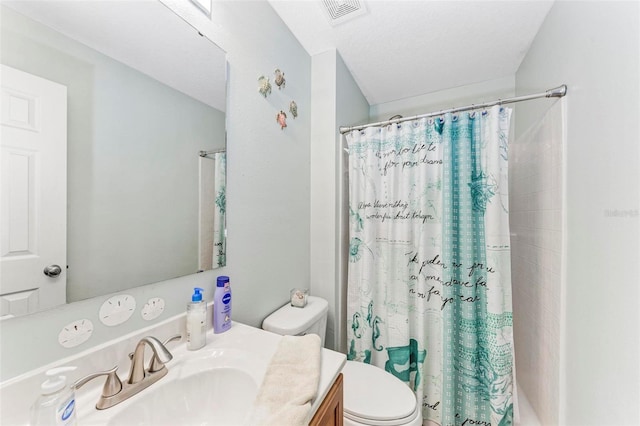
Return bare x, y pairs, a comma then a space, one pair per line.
400, 49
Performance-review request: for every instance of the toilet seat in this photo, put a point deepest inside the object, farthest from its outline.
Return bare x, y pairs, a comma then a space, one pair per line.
395, 422
374, 397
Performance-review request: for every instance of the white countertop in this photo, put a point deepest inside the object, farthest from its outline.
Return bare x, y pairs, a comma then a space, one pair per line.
260, 346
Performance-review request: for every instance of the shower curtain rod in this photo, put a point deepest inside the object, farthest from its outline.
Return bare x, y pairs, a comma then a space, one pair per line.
215, 151
557, 92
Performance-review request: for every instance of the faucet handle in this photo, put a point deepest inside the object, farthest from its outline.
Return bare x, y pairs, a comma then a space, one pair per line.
172, 338
112, 385
156, 364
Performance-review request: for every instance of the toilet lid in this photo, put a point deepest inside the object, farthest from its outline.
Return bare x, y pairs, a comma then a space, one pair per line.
372, 394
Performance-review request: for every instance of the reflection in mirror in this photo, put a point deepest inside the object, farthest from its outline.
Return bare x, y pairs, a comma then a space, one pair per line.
132, 94
213, 193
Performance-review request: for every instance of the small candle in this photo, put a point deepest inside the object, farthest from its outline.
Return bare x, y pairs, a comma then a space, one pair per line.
299, 297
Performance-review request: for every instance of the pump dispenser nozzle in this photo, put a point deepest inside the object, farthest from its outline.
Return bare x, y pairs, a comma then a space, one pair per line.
57, 381
197, 295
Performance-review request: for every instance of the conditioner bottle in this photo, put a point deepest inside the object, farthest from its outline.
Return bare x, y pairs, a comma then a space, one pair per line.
222, 305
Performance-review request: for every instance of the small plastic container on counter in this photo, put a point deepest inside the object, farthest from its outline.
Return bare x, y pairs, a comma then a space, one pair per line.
57, 403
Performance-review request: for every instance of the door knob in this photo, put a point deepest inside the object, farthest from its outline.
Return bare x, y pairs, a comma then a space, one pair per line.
52, 271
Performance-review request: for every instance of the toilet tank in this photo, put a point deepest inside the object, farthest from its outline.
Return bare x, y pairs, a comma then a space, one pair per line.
293, 321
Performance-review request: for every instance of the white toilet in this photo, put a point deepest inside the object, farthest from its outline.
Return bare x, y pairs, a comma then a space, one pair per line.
371, 395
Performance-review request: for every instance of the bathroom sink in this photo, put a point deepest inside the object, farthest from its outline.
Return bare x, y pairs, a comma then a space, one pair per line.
218, 396
212, 386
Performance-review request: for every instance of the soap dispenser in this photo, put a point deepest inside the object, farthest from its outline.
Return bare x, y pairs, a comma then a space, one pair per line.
196, 321
57, 403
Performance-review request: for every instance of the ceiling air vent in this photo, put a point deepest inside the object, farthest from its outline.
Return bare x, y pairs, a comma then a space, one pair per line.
339, 11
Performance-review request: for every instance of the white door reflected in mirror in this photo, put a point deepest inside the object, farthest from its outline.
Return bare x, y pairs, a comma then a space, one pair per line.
34, 193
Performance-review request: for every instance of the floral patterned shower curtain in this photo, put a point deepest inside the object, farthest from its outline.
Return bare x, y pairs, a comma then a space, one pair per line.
429, 287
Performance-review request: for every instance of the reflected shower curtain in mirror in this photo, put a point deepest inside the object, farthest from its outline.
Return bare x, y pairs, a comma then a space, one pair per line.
219, 219
429, 284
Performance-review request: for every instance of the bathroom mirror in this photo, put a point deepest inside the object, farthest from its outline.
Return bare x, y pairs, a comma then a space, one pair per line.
145, 132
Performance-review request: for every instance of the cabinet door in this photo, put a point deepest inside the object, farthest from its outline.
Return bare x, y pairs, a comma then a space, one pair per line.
330, 411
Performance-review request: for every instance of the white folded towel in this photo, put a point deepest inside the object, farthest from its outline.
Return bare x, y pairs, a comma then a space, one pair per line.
290, 384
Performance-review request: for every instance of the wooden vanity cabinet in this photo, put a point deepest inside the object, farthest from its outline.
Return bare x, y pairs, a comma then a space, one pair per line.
330, 411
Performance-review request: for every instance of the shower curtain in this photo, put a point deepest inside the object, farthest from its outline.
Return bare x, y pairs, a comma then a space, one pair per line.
219, 212
429, 290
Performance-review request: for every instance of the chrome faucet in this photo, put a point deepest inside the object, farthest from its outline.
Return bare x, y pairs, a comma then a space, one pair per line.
115, 391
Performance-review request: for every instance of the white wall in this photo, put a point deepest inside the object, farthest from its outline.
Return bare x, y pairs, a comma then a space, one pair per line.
536, 213
485, 91
268, 200
593, 48
336, 100
351, 108
323, 183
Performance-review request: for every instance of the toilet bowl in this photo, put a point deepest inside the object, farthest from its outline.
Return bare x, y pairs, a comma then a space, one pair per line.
372, 397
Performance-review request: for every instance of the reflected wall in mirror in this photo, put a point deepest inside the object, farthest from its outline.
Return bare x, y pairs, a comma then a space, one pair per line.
145, 94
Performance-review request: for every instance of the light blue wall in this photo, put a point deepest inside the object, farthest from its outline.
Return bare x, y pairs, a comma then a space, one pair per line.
268, 192
269, 168
351, 105
593, 48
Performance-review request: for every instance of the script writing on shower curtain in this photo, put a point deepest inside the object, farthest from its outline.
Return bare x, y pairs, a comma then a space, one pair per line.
428, 295
423, 268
